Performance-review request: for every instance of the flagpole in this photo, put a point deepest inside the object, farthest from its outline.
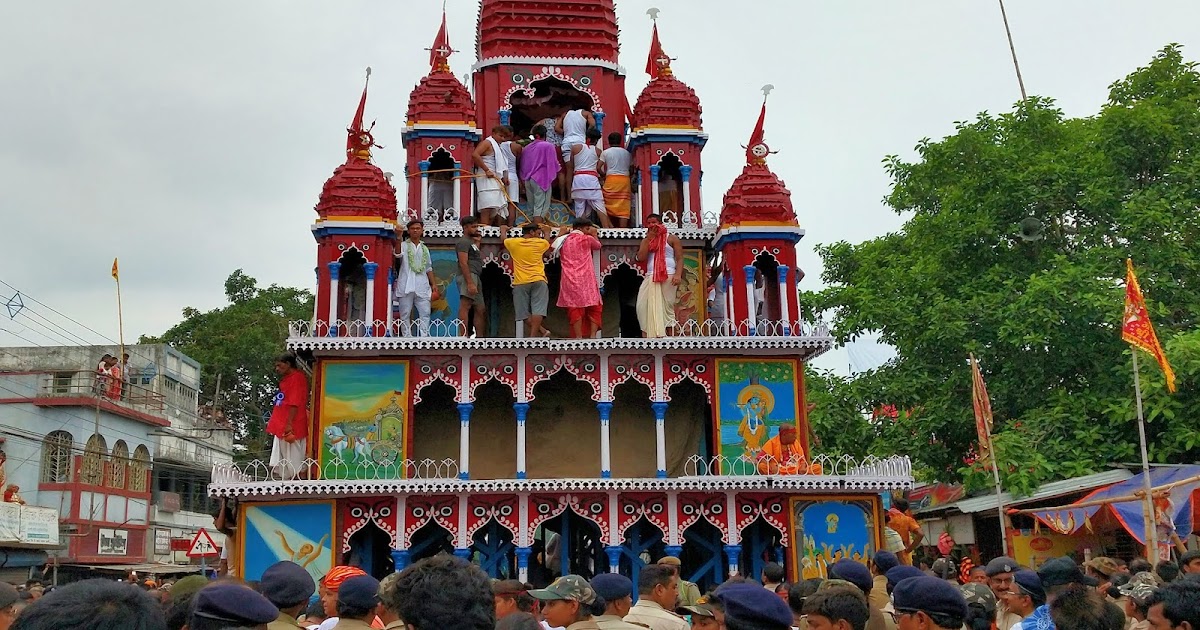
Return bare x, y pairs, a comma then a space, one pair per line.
1151, 534
120, 321
999, 501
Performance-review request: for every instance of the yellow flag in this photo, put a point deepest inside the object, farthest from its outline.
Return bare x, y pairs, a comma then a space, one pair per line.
115, 275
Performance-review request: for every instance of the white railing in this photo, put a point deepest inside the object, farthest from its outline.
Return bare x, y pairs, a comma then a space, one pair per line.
454, 328
843, 466
446, 222
336, 468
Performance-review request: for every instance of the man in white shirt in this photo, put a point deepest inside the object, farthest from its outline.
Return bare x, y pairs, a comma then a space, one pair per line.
658, 591
415, 282
618, 192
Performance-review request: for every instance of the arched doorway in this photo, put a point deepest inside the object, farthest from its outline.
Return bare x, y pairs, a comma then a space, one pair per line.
441, 182
497, 294
760, 545
429, 541
435, 425
766, 288
352, 283
703, 556
642, 544
620, 303
371, 551
670, 187
569, 544
494, 550
551, 97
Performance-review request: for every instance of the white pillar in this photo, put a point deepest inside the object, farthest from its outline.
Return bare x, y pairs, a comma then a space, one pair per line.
660, 437
458, 186
522, 411
334, 268
784, 308
464, 439
391, 279
685, 172
654, 188
751, 316
424, 166
674, 536
604, 408
730, 322
369, 325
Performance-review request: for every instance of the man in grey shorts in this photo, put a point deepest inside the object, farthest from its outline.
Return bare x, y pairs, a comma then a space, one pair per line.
470, 289
531, 296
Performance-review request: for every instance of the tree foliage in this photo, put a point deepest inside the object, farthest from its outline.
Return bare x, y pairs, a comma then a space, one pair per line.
239, 342
1042, 316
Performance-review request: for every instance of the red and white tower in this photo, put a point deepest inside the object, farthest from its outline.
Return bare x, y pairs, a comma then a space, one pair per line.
355, 232
539, 58
757, 243
666, 142
439, 137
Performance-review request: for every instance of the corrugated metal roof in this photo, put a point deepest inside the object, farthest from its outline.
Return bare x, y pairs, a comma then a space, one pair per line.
1046, 491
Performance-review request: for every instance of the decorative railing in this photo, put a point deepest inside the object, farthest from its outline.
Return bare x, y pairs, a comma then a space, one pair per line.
446, 223
87, 383
454, 328
842, 466
895, 467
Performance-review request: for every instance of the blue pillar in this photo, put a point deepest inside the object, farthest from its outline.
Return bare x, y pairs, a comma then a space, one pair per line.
424, 166
660, 419
522, 410
465, 554
523, 554
614, 558
673, 550
605, 409
685, 172
334, 270
505, 116
400, 559
654, 169
735, 553
464, 422
599, 116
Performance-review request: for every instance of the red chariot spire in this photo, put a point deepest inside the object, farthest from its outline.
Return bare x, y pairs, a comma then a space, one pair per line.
358, 136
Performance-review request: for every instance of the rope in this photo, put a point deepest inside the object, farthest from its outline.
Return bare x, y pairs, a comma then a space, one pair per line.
514, 203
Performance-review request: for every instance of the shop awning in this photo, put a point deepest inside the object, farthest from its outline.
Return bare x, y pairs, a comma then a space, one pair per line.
1176, 489
987, 502
153, 569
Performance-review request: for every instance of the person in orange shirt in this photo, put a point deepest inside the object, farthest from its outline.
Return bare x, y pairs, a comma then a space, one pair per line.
904, 524
782, 454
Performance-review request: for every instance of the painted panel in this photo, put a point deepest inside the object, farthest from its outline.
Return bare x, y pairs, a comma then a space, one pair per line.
299, 532
827, 529
445, 308
690, 294
754, 398
364, 412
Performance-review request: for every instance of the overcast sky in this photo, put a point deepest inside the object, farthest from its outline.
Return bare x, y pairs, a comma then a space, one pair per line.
192, 139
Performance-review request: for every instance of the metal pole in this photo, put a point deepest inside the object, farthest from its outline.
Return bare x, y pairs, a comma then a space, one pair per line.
1013, 50
1151, 535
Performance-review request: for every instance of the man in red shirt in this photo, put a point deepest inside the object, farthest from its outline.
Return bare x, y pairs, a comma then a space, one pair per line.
289, 420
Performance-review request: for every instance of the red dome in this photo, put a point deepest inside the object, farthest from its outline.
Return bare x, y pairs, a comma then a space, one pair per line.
584, 29
757, 195
667, 101
357, 189
440, 97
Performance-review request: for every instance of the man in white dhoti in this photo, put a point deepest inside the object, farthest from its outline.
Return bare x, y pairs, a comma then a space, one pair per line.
415, 283
663, 254
491, 170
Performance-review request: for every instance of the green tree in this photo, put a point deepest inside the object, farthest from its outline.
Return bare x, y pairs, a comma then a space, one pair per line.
1043, 316
239, 342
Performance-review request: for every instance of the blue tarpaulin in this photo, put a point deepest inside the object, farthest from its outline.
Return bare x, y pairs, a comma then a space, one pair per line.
1130, 513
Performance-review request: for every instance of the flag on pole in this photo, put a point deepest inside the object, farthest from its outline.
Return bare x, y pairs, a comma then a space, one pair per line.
115, 275
983, 414
1137, 330
657, 59
440, 51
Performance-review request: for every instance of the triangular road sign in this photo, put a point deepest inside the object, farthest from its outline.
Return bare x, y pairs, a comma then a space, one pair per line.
202, 546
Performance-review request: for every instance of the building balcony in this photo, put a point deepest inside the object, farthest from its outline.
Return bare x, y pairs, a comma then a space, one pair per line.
337, 478
85, 388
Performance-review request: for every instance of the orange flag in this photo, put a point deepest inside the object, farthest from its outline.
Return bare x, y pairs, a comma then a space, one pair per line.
115, 275
983, 414
1137, 329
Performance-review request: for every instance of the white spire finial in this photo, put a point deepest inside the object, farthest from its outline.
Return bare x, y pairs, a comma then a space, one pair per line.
653, 13
368, 73
766, 90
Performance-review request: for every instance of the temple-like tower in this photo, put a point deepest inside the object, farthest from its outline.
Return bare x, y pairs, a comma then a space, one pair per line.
539, 58
439, 137
355, 233
756, 242
666, 141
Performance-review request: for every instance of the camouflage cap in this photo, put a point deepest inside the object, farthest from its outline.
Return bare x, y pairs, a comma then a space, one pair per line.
979, 594
566, 587
702, 610
1140, 587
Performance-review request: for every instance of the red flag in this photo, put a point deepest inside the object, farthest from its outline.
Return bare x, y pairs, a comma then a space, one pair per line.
1137, 329
753, 151
358, 137
983, 414
657, 59
440, 51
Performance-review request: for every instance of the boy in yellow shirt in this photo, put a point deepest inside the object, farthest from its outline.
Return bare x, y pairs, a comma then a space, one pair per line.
531, 295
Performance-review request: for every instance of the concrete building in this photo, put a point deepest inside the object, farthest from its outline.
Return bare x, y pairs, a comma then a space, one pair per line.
124, 466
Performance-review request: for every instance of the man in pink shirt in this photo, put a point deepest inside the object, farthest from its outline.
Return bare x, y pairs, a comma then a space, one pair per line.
539, 166
579, 290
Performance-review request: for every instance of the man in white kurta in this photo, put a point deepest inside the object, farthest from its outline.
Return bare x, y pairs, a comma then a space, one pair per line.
415, 282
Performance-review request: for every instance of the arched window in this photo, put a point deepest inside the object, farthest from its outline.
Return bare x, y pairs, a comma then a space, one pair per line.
139, 469
118, 465
56, 457
94, 456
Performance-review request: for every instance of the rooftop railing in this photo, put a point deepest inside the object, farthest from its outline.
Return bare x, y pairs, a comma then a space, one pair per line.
88, 383
454, 328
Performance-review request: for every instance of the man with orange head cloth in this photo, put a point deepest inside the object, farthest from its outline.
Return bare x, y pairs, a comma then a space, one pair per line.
329, 591
782, 454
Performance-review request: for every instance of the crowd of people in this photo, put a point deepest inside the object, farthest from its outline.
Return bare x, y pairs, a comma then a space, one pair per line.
446, 592
562, 153
579, 285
